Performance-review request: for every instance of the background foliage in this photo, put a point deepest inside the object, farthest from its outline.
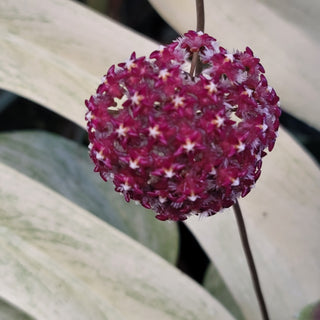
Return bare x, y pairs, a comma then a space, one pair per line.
62, 255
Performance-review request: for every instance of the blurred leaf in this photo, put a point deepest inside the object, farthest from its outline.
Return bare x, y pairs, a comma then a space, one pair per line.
283, 34
58, 261
64, 167
310, 312
100, 5
55, 52
214, 283
9, 312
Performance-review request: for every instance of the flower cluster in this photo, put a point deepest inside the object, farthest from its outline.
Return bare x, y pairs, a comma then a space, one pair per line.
182, 144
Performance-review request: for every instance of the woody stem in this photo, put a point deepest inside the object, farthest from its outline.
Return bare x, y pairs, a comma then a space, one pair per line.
196, 66
250, 261
200, 15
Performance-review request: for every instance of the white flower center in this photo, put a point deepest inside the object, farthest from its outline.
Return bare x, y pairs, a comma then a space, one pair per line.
122, 131
218, 121
168, 173
193, 197
125, 186
136, 98
163, 74
240, 146
211, 87
154, 131
178, 101
133, 164
100, 156
189, 146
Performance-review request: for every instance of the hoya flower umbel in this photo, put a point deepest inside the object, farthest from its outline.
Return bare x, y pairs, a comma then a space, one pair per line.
182, 144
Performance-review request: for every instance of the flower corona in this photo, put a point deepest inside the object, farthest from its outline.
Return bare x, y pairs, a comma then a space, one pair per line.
181, 144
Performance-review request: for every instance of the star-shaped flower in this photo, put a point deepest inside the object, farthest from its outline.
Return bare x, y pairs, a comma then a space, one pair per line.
183, 145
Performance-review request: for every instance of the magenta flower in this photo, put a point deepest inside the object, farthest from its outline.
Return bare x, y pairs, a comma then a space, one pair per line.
178, 144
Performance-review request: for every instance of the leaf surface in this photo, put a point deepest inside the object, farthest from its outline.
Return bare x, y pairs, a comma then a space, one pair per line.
214, 283
55, 52
9, 312
64, 166
58, 261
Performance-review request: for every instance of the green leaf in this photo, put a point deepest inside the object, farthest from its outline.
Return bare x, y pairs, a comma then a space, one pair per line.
58, 261
57, 59
56, 52
283, 34
9, 312
64, 166
99, 5
308, 312
214, 283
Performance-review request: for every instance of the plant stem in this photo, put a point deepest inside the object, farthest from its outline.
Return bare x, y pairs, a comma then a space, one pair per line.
200, 15
196, 67
250, 261
195, 63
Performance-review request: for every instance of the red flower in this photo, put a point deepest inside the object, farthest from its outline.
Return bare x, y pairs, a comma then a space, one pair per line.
181, 145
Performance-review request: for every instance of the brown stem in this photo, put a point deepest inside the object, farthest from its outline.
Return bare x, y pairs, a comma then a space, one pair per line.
196, 67
250, 261
200, 15
195, 63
